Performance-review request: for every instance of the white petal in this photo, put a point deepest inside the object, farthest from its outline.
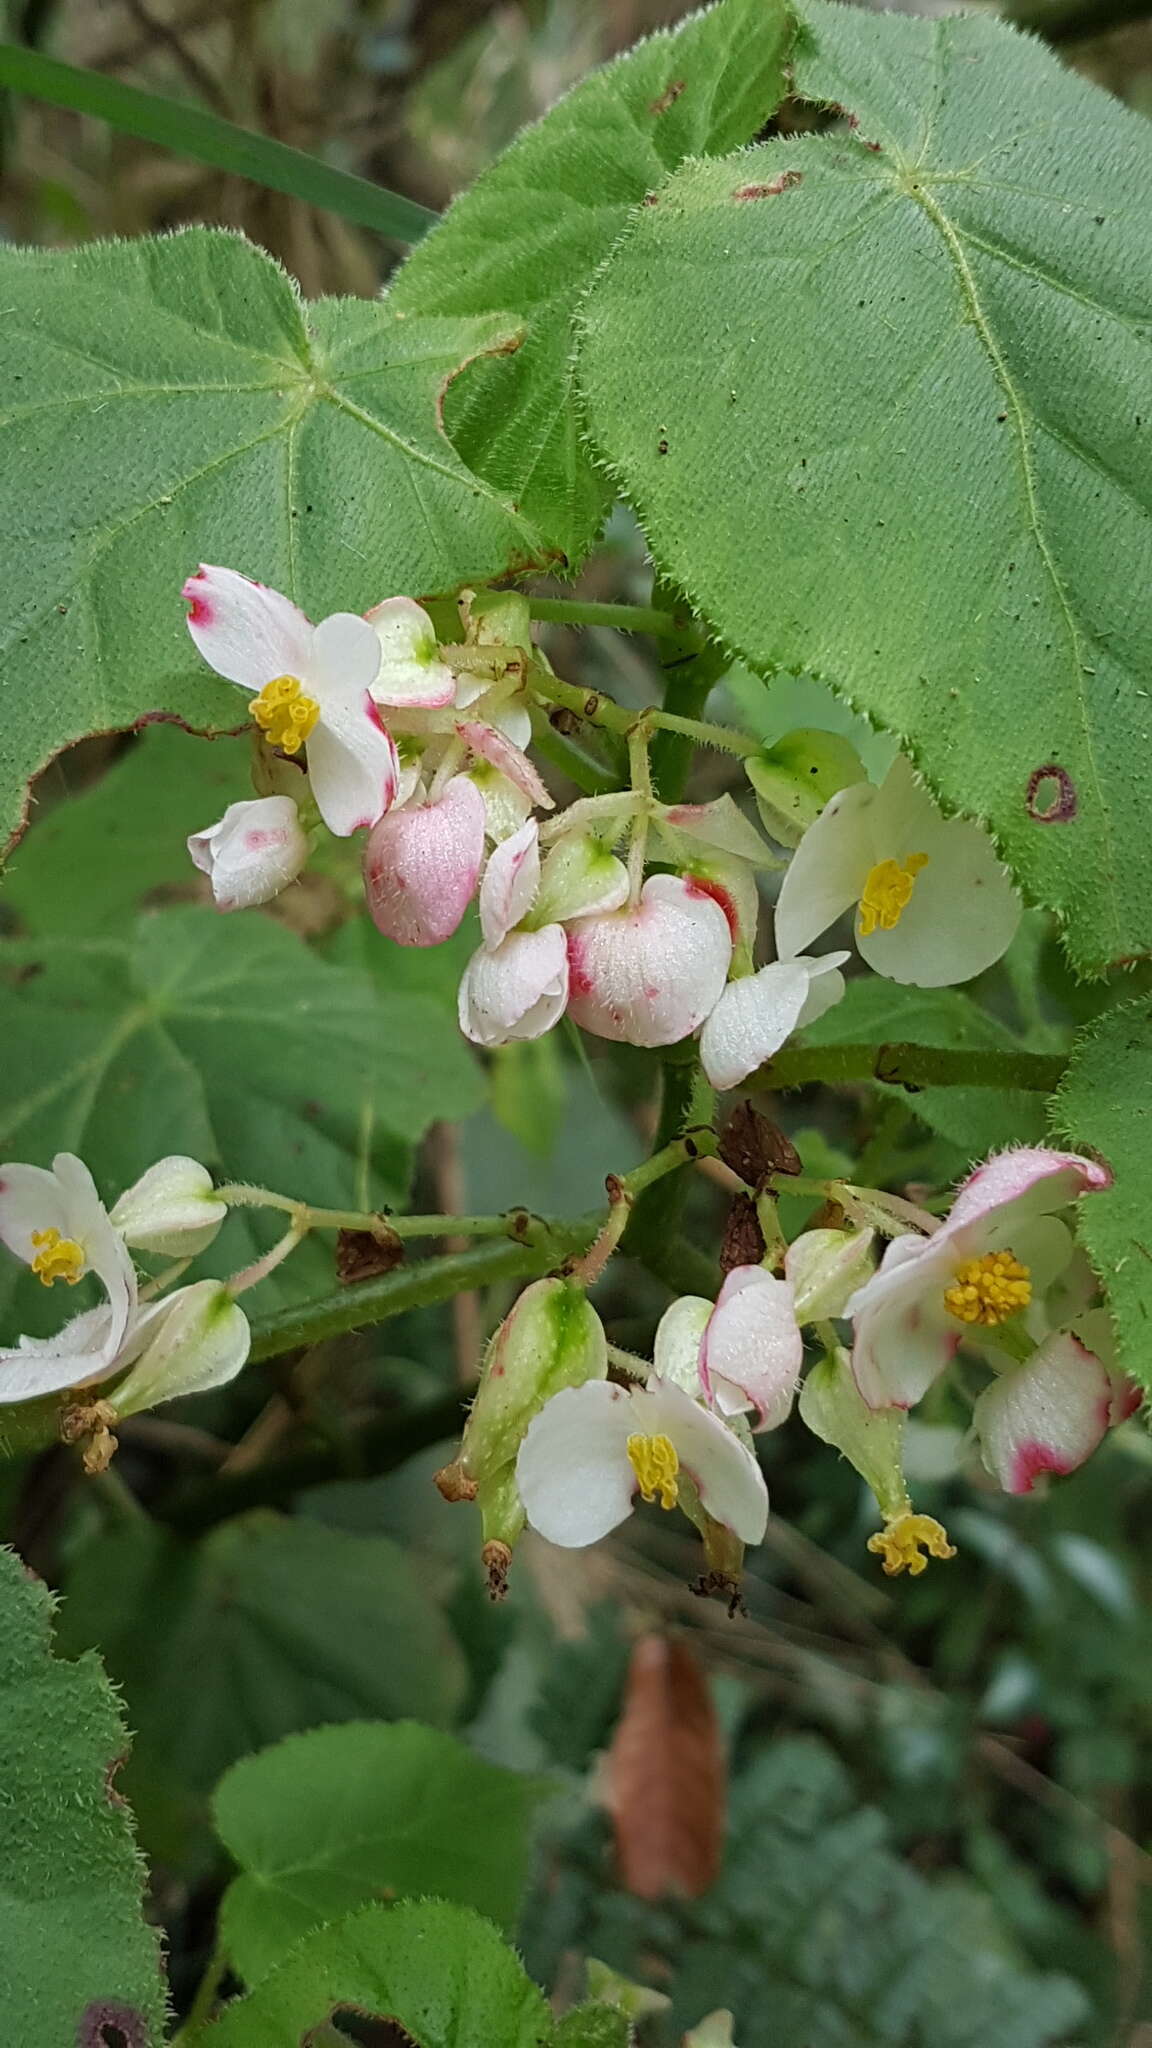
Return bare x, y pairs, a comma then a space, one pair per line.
751, 1021
651, 974
31, 1199
828, 870
573, 1472
724, 1473
81, 1352
511, 880
1027, 1181
505, 807
200, 1339
962, 915
517, 992
245, 631
352, 766
411, 672
344, 662
253, 852
904, 1334
88, 1222
679, 1334
825, 988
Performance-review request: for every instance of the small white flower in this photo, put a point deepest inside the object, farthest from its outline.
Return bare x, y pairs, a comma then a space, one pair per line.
934, 905
759, 1012
517, 991
312, 684
592, 1448
56, 1223
742, 1351
252, 852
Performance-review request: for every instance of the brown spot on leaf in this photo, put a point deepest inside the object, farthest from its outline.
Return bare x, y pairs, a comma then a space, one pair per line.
668, 97
1051, 796
360, 2028
772, 189
108, 2024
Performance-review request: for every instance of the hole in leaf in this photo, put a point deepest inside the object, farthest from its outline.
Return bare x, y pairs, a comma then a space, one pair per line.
108, 2024
1051, 795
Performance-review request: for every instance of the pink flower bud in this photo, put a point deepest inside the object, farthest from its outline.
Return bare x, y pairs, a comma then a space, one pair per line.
1047, 1415
421, 864
752, 1348
649, 974
253, 852
518, 991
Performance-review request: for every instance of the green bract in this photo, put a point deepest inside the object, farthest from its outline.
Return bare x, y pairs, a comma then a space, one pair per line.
881, 399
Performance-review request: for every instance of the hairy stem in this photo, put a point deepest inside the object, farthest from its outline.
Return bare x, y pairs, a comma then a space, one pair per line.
912, 1067
624, 618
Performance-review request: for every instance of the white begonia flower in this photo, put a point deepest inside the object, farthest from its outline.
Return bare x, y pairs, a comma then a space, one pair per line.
312, 684
759, 1012
182, 1344
411, 674
592, 1448
56, 1224
172, 1209
578, 878
934, 905
253, 852
518, 991
742, 1351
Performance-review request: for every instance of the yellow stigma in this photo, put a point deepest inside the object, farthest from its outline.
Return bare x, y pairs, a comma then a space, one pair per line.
653, 1459
284, 713
903, 1541
888, 892
989, 1290
57, 1258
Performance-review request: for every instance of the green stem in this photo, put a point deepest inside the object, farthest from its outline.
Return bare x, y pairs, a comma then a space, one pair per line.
727, 738
242, 1196
624, 618
913, 1067
691, 665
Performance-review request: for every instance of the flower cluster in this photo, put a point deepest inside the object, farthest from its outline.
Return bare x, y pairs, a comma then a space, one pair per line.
370, 723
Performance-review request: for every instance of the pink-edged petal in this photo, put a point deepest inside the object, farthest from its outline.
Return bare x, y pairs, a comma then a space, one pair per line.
344, 663
720, 825
904, 1335
1034, 1179
722, 1469
679, 1336
31, 1199
519, 991
751, 1021
253, 852
245, 631
650, 975
753, 1344
828, 870
411, 672
421, 864
572, 1470
511, 880
352, 767
1047, 1415
498, 750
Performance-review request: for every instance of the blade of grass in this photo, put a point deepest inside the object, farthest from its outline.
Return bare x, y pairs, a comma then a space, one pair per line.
207, 139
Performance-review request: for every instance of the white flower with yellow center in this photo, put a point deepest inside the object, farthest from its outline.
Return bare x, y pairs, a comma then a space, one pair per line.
933, 903
312, 688
593, 1449
56, 1223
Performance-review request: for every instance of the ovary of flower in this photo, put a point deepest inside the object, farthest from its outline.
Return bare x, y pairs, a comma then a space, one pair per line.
57, 1258
284, 713
989, 1290
887, 893
656, 1465
907, 1542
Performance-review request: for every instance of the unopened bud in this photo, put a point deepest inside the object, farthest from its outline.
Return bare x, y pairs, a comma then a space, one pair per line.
825, 1268
795, 779
580, 878
552, 1338
172, 1209
870, 1438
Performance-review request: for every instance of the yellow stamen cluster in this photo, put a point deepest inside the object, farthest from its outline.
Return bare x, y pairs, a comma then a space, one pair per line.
284, 714
888, 892
653, 1459
989, 1290
57, 1258
903, 1541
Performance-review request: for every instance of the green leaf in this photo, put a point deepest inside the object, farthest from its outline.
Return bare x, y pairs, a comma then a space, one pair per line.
338, 1817
192, 132
1104, 1106
526, 238
214, 418
438, 1971
72, 1934
267, 1626
975, 1119
881, 401
227, 1039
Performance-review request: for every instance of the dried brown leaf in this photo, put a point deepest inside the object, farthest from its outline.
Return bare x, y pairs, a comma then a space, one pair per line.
665, 1779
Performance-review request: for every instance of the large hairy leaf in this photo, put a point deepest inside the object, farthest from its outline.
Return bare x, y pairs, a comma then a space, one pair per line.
883, 399
172, 400
75, 1950
1105, 1106
526, 238
337, 1817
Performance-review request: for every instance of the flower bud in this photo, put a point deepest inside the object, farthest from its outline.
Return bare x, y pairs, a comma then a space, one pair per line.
252, 852
580, 878
825, 1268
421, 864
650, 973
194, 1339
1047, 1415
172, 1209
871, 1439
795, 779
752, 1350
552, 1338
518, 991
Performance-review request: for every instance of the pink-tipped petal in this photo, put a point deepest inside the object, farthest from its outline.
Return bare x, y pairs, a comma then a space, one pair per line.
245, 631
499, 751
352, 767
411, 672
650, 975
1033, 1178
421, 864
1047, 1415
753, 1347
511, 880
519, 991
